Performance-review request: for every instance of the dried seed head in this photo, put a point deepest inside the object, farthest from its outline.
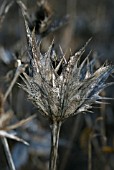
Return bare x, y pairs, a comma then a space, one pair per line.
68, 93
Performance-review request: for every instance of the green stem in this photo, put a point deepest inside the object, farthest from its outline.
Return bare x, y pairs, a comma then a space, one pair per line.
55, 130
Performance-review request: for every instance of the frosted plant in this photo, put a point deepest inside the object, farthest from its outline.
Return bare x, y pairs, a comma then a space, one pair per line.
60, 88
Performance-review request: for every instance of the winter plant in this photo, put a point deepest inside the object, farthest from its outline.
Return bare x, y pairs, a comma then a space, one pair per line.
59, 88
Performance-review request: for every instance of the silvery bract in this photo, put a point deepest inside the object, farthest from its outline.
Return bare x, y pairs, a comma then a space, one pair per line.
64, 89
61, 88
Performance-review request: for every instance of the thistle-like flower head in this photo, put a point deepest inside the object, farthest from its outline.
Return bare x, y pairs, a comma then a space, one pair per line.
64, 89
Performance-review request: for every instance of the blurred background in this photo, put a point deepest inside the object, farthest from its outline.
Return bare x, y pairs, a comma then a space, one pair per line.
86, 140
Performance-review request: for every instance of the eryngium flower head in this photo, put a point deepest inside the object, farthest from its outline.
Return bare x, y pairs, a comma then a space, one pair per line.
64, 89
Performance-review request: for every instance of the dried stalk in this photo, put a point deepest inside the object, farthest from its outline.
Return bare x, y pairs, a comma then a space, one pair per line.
8, 154
4, 8
11, 85
55, 130
19, 70
74, 135
61, 93
89, 154
4, 123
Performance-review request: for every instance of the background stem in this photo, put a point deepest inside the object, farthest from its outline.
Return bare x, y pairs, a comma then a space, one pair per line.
55, 130
8, 154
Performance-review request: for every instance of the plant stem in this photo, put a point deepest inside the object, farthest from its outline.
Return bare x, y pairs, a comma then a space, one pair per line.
55, 130
90, 153
74, 135
8, 154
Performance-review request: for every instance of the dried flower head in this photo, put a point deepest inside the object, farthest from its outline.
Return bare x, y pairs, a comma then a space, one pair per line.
61, 88
61, 94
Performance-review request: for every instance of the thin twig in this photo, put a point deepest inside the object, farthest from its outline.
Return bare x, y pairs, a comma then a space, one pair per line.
55, 130
74, 135
89, 154
8, 154
19, 70
11, 85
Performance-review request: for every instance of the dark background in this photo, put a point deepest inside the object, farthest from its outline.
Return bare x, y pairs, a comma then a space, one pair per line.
82, 135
